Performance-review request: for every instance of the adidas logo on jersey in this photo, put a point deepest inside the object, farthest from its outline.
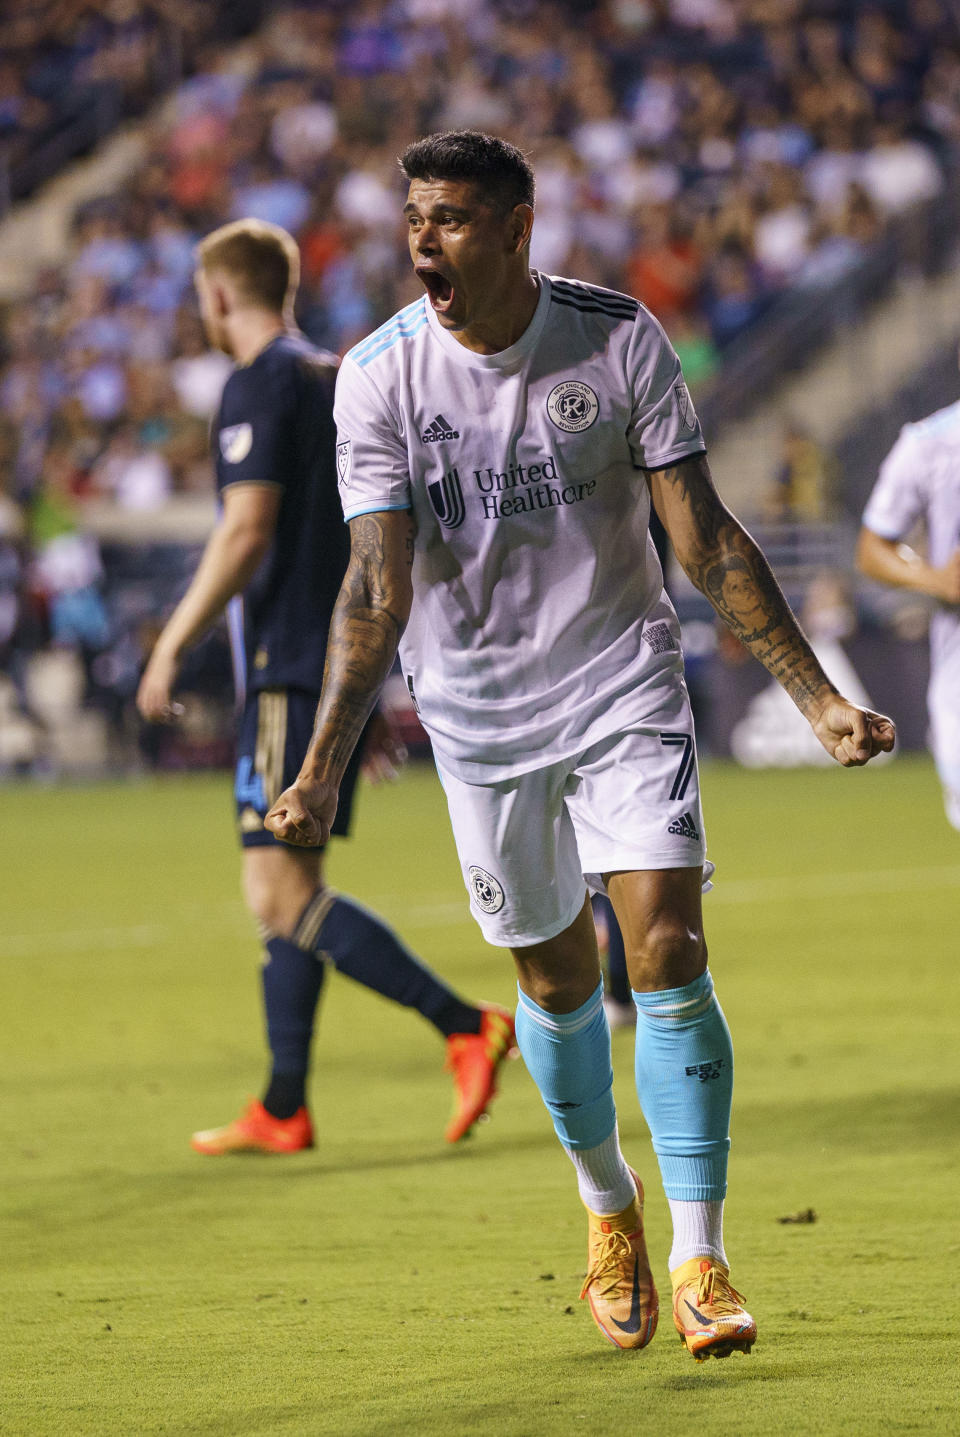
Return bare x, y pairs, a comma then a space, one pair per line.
438, 430
684, 826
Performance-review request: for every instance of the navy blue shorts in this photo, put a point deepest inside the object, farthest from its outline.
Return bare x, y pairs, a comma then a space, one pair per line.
275, 732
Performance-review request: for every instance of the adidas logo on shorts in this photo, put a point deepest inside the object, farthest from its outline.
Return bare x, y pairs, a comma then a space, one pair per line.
684, 826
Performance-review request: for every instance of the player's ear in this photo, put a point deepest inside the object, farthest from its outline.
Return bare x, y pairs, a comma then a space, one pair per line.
223, 297
521, 223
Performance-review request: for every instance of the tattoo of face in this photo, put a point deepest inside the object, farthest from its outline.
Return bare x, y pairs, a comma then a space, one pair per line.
727, 566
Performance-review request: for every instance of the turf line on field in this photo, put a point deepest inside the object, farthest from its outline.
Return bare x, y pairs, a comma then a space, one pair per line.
828, 885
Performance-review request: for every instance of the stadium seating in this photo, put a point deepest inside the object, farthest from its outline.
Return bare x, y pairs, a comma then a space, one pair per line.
736, 164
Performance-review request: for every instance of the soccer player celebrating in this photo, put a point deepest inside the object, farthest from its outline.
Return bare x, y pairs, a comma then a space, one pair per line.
277, 555
500, 440
920, 479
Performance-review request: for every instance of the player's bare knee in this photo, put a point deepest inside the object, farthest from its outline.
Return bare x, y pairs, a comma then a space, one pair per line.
556, 995
669, 954
560, 989
275, 898
261, 901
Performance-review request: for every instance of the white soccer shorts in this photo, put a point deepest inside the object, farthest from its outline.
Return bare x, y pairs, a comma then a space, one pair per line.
529, 845
945, 742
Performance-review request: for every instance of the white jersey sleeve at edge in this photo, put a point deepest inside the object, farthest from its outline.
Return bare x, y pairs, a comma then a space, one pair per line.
899, 496
664, 426
372, 467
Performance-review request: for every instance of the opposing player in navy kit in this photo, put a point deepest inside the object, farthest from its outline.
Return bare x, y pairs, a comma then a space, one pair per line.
500, 442
277, 557
920, 481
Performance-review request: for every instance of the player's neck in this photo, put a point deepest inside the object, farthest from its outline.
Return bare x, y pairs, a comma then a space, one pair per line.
504, 324
252, 330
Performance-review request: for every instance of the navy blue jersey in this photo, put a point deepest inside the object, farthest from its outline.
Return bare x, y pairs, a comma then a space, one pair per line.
275, 426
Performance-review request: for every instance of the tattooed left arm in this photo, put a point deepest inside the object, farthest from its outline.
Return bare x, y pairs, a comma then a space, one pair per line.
726, 565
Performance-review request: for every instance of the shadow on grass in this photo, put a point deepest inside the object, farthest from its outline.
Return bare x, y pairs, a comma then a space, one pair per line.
883, 1123
107, 1193
875, 1123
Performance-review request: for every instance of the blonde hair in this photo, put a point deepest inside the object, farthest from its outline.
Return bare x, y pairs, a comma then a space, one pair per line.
262, 258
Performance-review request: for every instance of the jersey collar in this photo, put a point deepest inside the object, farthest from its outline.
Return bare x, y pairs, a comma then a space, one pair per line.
510, 358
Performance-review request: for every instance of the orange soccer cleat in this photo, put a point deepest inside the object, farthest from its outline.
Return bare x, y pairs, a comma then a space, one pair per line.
257, 1131
708, 1313
619, 1284
473, 1059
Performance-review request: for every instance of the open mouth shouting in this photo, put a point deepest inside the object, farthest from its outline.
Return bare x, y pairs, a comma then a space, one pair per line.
439, 289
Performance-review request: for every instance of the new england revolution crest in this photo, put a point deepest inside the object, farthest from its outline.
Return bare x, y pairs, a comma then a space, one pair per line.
487, 892
573, 406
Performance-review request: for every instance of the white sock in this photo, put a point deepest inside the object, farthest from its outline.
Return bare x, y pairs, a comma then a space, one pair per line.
603, 1177
697, 1232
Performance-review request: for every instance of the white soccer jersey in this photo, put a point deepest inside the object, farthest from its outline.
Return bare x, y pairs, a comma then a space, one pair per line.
920, 479
539, 623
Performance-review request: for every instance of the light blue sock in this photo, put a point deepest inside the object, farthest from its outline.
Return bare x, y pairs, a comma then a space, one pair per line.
685, 1085
568, 1057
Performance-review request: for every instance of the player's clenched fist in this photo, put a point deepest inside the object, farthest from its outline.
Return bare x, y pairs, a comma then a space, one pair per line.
853, 735
303, 814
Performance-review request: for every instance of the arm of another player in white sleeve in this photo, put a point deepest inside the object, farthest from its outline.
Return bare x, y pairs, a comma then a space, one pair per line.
664, 427
890, 562
372, 463
898, 500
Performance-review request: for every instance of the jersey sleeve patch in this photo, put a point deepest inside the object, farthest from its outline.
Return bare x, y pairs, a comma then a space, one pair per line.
236, 441
688, 415
344, 462
664, 423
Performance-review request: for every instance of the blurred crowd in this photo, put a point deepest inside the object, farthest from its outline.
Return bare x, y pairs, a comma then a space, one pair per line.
71, 68
703, 155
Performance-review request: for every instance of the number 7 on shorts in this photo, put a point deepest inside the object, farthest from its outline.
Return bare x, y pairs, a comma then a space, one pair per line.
684, 741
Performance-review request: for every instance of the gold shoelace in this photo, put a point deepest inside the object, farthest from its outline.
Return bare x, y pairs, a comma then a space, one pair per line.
614, 1249
715, 1289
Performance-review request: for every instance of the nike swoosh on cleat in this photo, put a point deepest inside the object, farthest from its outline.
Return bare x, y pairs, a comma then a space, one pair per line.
633, 1322
707, 1321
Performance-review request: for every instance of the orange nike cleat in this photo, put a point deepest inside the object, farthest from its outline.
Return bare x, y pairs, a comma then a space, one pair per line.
257, 1131
619, 1284
708, 1313
473, 1059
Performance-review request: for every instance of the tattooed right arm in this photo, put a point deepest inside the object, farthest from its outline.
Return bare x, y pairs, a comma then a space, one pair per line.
725, 564
369, 617
723, 561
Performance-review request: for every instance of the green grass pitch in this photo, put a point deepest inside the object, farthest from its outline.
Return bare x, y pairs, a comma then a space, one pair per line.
386, 1284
